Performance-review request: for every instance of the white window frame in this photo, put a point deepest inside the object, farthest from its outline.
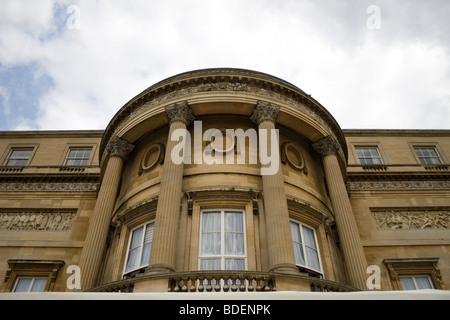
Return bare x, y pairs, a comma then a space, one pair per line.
223, 256
364, 159
82, 159
8, 159
413, 278
125, 271
438, 155
31, 283
306, 266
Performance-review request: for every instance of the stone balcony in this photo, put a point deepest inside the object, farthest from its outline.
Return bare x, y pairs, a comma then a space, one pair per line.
223, 281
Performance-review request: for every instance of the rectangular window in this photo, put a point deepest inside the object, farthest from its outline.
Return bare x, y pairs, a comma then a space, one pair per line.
78, 157
222, 240
306, 251
369, 155
140, 247
428, 155
416, 283
28, 284
19, 157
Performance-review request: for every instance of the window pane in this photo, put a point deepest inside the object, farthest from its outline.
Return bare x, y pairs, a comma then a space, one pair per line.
313, 259
234, 233
210, 264
211, 244
211, 222
78, 156
136, 238
19, 157
145, 259
23, 284
423, 283
146, 250
368, 155
134, 249
39, 285
428, 155
234, 264
299, 255
132, 262
295, 231
234, 222
211, 233
234, 244
308, 235
407, 283
298, 247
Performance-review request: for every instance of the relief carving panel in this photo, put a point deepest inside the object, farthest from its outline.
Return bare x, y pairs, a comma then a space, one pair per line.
412, 219
36, 220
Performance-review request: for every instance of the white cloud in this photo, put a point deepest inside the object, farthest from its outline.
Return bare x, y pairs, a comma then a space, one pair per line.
325, 48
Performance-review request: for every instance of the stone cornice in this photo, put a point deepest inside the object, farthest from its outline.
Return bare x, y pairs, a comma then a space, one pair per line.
223, 80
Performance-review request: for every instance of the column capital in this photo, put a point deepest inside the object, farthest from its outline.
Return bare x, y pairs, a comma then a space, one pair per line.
180, 111
119, 148
264, 111
326, 146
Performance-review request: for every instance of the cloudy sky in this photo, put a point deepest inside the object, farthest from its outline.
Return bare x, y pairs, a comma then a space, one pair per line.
372, 63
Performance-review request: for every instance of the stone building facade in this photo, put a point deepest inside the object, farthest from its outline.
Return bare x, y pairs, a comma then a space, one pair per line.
224, 180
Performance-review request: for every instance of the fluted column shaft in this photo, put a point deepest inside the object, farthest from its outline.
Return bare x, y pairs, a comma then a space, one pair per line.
95, 242
163, 254
281, 252
347, 228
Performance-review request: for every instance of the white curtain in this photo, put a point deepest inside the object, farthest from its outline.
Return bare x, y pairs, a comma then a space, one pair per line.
407, 283
210, 264
297, 243
234, 264
140, 247
211, 234
39, 285
23, 284
148, 237
304, 241
234, 234
30, 285
423, 283
311, 249
231, 233
134, 251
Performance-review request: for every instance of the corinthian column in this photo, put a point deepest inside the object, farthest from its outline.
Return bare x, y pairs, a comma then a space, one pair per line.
352, 248
163, 254
95, 242
281, 252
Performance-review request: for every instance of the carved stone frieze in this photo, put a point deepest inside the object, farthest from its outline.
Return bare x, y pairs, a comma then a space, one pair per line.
326, 146
264, 111
50, 186
36, 220
412, 219
399, 185
119, 148
180, 112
